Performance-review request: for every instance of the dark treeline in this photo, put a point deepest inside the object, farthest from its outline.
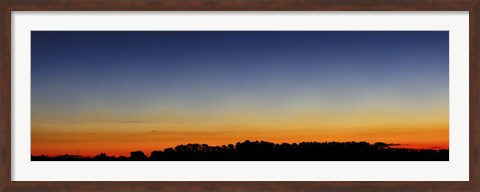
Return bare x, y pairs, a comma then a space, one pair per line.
267, 151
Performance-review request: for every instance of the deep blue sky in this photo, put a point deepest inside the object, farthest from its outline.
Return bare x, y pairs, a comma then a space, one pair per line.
130, 72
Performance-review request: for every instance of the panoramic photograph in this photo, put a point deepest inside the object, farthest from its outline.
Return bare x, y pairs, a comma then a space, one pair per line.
239, 95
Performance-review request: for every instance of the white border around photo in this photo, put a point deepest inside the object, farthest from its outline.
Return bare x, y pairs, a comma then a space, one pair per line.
456, 169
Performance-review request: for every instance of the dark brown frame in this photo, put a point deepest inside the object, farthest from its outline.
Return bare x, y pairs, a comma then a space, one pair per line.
7, 6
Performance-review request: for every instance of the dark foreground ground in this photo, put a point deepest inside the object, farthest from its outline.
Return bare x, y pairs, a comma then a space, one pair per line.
267, 151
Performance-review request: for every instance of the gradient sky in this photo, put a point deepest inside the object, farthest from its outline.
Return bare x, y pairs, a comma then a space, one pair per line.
117, 92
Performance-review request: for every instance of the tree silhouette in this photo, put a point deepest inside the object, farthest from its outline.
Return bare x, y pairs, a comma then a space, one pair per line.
138, 156
101, 156
268, 151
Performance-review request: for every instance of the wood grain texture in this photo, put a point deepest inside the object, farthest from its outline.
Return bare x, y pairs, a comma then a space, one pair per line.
7, 6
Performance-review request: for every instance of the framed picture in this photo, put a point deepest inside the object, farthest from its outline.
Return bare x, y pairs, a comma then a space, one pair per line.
240, 96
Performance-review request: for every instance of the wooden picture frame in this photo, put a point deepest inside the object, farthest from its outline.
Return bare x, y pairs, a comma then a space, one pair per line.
7, 6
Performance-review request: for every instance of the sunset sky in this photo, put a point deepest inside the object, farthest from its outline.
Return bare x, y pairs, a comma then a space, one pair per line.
117, 92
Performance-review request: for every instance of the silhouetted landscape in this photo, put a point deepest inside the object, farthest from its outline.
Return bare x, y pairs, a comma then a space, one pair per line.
268, 151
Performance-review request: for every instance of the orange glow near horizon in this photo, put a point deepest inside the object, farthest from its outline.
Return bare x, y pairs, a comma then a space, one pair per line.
120, 138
